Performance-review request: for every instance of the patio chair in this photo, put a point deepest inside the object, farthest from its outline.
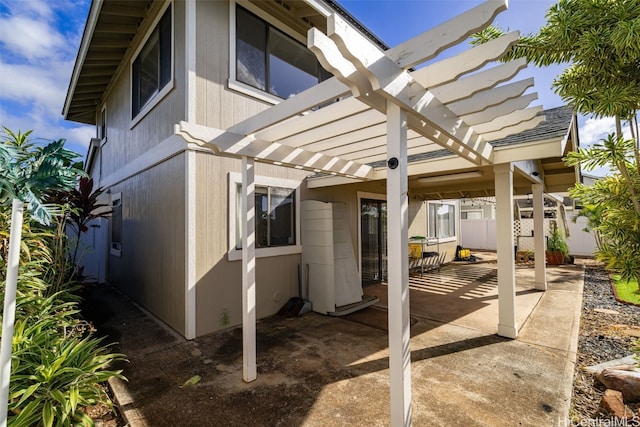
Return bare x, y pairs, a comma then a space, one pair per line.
434, 263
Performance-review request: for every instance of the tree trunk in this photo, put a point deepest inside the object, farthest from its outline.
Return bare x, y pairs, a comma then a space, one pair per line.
625, 173
632, 191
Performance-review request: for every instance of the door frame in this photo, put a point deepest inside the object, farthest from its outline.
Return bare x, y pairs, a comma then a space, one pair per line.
367, 196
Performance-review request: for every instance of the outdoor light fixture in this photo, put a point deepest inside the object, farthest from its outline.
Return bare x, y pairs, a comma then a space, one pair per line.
451, 177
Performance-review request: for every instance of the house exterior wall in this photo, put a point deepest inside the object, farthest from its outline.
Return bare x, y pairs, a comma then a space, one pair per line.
216, 105
126, 142
219, 280
150, 267
348, 194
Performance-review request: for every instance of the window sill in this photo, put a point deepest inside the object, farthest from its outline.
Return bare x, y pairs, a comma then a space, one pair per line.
445, 240
150, 105
253, 92
236, 254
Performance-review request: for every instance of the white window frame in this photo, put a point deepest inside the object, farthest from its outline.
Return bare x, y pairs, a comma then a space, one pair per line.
102, 124
235, 179
116, 248
233, 83
155, 99
456, 219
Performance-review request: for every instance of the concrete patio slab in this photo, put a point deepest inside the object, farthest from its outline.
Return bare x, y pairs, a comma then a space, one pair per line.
316, 370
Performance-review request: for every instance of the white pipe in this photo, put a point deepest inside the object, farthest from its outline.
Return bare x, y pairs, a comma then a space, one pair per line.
9, 313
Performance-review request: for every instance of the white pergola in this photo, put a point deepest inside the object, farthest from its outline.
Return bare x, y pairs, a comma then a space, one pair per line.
387, 110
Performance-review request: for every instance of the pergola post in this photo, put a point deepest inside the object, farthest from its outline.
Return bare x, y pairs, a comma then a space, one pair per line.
248, 271
504, 244
538, 237
398, 266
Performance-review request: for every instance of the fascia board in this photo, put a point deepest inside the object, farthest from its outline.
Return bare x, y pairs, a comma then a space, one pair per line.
529, 151
87, 35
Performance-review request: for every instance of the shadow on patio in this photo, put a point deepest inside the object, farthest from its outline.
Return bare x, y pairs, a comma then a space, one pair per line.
316, 370
461, 294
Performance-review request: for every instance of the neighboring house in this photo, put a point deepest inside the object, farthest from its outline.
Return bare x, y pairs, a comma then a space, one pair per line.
478, 225
215, 122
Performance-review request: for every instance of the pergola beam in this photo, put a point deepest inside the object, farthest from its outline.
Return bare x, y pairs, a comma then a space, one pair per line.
490, 98
333, 60
508, 120
450, 69
316, 95
397, 86
466, 87
509, 106
236, 145
428, 44
335, 119
510, 130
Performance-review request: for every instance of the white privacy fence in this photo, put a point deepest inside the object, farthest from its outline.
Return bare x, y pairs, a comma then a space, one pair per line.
481, 234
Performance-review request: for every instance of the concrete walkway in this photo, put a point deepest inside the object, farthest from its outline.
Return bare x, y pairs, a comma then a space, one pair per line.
315, 370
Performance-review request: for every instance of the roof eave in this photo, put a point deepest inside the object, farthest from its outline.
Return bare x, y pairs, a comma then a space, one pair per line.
87, 35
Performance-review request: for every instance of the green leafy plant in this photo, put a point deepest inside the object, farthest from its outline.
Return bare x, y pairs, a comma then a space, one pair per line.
56, 375
225, 319
56, 367
609, 203
557, 248
556, 243
29, 172
81, 206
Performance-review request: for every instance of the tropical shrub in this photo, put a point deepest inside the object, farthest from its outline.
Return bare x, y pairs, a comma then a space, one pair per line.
598, 39
57, 366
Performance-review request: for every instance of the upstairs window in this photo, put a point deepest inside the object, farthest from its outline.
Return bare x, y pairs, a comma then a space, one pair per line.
151, 69
269, 60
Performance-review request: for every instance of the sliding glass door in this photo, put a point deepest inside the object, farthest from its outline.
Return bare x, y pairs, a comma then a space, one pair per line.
373, 232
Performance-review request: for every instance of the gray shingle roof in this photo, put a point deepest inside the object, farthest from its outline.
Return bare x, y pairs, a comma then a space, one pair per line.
556, 125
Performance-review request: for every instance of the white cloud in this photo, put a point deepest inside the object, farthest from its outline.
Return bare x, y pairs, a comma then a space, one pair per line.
49, 128
44, 88
30, 38
38, 40
40, 8
593, 130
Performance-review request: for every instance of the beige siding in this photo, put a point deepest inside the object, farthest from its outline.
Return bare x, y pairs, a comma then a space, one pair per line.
219, 281
348, 194
125, 143
151, 266
218, 106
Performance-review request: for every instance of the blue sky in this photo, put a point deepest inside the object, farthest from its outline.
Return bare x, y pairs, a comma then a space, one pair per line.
39, 41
